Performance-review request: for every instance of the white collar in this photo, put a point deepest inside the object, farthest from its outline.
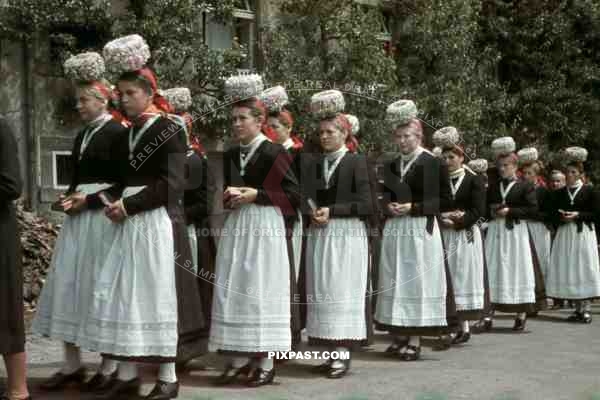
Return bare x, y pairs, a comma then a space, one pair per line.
457, 173
577, 184
334, 155
408, 157
98, 120
288, 143
258, 139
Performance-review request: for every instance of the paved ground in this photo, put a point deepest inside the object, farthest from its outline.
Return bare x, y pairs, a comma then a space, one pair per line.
552, 359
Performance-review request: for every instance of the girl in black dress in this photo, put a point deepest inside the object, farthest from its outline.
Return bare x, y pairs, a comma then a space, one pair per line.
574, 271
86, 234
251, 309
461, 232
508, 253
336, 188
280, 124
415, 296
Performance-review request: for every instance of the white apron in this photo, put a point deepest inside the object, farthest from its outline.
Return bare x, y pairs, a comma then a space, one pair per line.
412, 275
297, 244
465, 262
82, 245
134, 310
251, 300
542, 241
574, 272
510, 264
193, 247
337, 264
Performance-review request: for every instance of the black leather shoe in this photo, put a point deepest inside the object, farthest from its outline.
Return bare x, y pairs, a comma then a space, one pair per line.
99, 382
483, 325
519, 324
336, 373
487, 324
59, 380
322, 368
463, 337
395, 346
164, 391
575, 317
230, 374
586, 318
119, 389
414, 356
261, 377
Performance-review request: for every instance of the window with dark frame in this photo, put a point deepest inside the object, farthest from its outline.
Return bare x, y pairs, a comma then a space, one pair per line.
61, 169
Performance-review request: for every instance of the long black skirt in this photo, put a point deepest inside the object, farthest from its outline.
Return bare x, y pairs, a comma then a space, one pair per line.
12, 327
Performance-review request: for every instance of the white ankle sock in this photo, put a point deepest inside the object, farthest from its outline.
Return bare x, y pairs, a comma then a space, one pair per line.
108, 366
239, 362
127, 371
72, 359
465, 326
266, 363
166, 373
414, 341
338, 363
521, 315
17, 395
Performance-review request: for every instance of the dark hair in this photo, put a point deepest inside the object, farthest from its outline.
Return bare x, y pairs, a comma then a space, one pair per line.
578, 165
454, 149
257, 108
138, 79
513, 157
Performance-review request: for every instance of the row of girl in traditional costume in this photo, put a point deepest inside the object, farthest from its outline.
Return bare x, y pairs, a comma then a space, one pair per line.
122, 281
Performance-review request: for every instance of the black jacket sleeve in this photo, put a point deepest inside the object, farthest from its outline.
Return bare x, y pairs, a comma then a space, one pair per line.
280, 187
196, 198
363, 206
478, 203
169, 181
438, 195
10, 171
592, 198
528, 205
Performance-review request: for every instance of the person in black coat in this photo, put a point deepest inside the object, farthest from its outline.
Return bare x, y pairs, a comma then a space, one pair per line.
251, 308
415, 289
512, 277
197, 200
539, 223
85, 235
338, 199
462, 238
157, 280
280, 123
574, 270
12, 329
